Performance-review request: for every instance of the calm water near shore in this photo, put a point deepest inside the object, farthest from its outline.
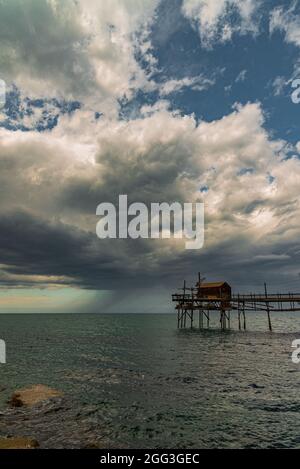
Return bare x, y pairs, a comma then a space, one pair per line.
137, 381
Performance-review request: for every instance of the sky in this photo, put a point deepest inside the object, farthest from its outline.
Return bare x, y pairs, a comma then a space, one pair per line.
162, 100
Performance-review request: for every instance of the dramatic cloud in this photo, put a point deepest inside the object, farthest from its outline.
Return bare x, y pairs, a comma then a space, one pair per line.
78, 49
51, 185
67, 144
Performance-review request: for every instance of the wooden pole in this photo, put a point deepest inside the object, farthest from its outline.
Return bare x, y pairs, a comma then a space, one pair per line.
268, 309
200, 319
223, 319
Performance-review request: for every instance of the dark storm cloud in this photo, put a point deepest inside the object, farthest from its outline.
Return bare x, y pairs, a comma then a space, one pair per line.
35, 247
32, 247
52, 183
102, 54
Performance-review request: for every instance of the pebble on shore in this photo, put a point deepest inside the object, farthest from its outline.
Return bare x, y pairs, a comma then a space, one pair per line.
33, 395
18, 443
27, 397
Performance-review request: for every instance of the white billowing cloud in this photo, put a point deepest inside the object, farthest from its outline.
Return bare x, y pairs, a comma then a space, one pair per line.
169, 157
163, 154
251, 190
199, 83
211, 18
86, 50
78, 49
288, 21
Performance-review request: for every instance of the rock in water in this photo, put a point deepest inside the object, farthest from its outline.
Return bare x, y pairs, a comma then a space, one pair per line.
18, 443
33, 395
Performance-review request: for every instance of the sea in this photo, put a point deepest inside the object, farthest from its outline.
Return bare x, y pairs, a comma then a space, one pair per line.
136, 381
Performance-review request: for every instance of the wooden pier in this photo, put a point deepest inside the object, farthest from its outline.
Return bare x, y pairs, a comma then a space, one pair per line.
196, 303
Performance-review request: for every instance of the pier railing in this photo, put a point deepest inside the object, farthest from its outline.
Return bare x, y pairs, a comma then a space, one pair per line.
188, 303
276, 301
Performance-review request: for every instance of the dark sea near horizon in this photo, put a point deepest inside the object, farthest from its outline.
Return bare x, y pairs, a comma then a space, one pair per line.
135, 381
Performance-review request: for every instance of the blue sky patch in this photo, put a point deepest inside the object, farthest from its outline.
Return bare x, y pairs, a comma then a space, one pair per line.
40, 114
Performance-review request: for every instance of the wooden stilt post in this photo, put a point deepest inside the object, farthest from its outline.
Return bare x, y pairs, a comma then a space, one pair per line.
200, 318
223, 319
244, 316
268, 309
183, 320
208, 319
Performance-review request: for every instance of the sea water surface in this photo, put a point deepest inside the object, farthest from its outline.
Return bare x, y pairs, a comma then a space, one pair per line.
135, 381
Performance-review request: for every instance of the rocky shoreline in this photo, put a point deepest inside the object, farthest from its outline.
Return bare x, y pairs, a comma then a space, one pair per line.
41, 417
